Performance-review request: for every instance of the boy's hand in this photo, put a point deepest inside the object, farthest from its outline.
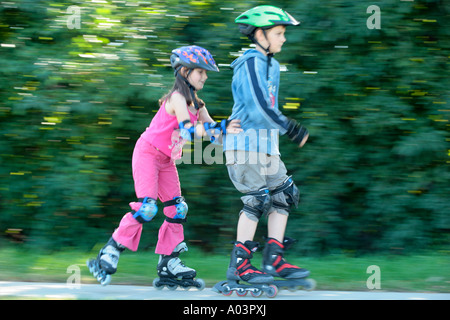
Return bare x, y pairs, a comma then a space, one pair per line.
234, 126
297, 133
304, 140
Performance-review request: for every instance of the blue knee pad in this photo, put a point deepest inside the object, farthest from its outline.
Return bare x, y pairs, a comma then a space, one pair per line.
147, 211
181, 207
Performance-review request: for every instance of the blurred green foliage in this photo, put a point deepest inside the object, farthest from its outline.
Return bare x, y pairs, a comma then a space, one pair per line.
374, 175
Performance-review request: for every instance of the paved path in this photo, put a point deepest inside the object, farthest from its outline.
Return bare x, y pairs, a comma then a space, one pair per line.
38, 290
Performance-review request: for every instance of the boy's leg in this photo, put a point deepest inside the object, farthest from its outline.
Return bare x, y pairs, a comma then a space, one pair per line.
276, 225
284, 195
244, 172
246, 228
247, 179
278, 183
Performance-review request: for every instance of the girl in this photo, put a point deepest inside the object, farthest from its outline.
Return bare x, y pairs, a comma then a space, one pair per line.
181, 116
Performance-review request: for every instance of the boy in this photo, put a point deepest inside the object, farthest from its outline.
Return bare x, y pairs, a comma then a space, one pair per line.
252, 156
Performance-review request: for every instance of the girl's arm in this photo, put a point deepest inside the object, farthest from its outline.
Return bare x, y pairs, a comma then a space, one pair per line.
233, 126
177, 106
203, 115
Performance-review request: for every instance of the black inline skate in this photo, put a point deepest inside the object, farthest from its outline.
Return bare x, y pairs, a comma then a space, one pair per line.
240, 269
106, 262
173, 273
275, 265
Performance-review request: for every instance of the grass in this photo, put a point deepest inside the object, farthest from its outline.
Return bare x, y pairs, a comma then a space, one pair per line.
428, 272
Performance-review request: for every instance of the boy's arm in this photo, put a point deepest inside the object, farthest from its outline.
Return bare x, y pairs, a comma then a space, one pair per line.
275, 119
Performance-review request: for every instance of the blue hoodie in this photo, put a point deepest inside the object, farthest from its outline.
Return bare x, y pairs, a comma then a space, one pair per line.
256, 105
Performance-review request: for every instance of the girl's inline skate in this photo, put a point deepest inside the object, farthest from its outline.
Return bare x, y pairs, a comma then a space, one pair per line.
106, 262
240, 269
173, 273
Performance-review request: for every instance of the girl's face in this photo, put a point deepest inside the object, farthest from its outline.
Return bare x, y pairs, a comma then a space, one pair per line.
197, 78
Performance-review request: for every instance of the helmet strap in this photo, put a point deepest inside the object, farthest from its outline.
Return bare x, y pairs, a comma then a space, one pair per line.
190, 86
267, 50
253, 39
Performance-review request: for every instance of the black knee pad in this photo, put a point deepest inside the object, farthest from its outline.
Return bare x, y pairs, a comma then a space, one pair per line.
289, 191
260, 203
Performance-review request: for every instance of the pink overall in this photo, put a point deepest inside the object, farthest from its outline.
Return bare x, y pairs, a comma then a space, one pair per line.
155, 175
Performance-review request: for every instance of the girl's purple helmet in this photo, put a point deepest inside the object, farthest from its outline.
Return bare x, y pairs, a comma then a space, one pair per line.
193, 57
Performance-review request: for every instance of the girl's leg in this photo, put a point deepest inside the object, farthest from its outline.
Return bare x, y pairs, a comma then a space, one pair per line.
128, 234
170, 234
145, 174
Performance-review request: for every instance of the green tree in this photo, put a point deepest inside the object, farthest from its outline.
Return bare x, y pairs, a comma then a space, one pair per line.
373, 175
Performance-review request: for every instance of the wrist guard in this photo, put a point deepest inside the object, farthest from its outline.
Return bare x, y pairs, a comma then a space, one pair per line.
295, 131
221, 126
187, 133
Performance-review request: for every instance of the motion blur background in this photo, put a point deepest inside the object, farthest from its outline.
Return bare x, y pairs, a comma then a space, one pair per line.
374, 175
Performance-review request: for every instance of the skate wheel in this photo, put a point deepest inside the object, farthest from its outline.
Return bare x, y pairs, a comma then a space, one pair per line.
272, 291
292, 289
257, 293
241, 292
226, 291
200, 284
91, 266
106, 280
156, 284
172, 287
311, 285
88, 264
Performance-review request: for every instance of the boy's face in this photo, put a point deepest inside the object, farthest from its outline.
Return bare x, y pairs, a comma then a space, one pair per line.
275, 37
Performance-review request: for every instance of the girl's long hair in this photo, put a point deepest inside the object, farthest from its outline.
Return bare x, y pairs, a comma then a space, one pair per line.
181, 86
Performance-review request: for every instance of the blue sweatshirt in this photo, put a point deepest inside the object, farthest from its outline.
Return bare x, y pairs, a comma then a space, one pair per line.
256, 105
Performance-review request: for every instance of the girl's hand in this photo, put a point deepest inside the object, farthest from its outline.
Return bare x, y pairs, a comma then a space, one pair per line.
200, 129
234, 126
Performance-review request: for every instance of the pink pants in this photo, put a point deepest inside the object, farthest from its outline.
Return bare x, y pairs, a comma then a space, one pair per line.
155, 175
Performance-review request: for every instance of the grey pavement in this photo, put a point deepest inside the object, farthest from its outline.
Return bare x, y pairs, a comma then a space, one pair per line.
38, 290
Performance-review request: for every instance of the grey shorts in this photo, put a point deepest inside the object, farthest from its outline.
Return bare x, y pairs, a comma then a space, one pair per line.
251, 171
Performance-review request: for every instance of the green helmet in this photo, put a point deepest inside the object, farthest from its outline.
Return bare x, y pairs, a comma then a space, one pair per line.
264, 17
